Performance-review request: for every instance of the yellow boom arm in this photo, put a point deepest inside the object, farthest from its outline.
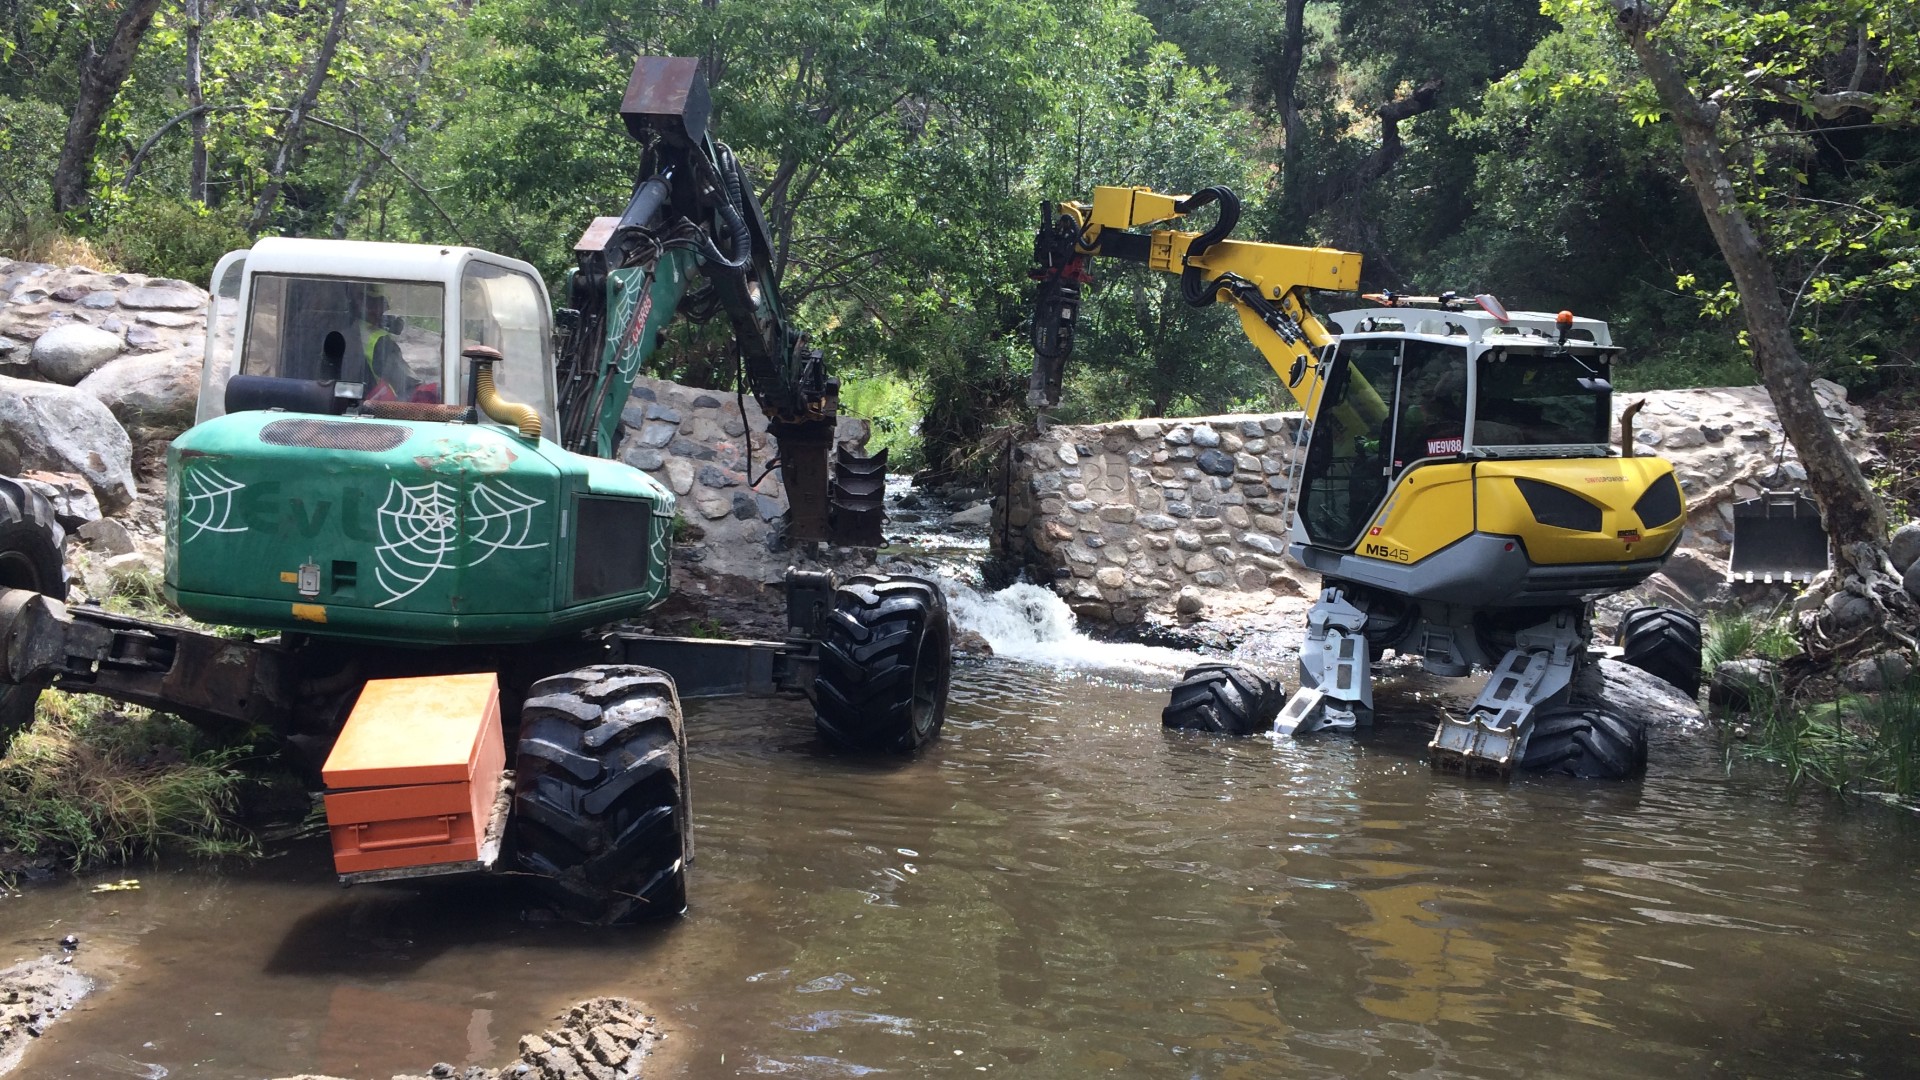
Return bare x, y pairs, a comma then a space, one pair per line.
1265, 283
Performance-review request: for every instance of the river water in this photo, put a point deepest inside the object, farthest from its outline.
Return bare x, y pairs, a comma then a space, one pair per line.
1058, 888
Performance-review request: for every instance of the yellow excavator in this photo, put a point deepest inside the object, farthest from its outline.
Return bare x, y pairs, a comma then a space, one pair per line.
1454, 486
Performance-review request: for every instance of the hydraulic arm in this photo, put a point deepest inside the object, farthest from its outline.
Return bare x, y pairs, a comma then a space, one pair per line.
692, 242
1265, 283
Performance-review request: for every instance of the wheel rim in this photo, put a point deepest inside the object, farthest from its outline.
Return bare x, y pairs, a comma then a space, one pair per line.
926, 686
18, 572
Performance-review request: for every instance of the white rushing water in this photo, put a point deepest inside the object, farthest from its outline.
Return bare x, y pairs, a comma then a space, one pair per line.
1029, 623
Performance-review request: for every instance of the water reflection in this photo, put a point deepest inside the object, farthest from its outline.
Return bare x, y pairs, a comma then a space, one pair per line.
1059, 888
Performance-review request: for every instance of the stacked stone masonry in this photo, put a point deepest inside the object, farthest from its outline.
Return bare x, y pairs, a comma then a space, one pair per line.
1126, 518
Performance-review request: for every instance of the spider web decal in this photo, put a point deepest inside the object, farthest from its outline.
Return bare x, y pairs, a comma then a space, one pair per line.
419, 526
501, 518
209, 498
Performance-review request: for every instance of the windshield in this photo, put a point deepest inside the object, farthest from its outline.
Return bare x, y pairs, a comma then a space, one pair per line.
386, 335
1539, 399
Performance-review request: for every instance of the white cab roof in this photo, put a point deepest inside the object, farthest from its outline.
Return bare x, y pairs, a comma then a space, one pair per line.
369, 260
1522, 327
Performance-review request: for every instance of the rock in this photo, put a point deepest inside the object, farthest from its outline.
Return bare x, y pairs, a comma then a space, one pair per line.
154, 395
99, 300
1111, 577
1876, 673
1904, 547
1847, 611
107, 536
716, 477
67, 354
680, 476
657, 434
745, 508
663, 414
642, 457
1215, 462
975, 516
68, 493
970, 643
166, 296
706, 401
1205, 436
1628, 691
1735, 683
1912, 580
1188, 602
713, 507
59, 429
142, 337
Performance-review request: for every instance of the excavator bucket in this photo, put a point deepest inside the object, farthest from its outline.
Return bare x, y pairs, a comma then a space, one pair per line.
856, 510
1777, 538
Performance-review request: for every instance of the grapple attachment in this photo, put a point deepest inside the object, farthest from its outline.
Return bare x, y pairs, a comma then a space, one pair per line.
1777, 538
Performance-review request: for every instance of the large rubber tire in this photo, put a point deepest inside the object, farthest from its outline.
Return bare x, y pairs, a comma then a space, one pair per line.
1225, 699
886, 659
1665, 643
601, 814
30, 541
1585, 742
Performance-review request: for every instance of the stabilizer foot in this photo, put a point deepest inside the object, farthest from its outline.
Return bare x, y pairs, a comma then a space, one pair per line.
1336, 677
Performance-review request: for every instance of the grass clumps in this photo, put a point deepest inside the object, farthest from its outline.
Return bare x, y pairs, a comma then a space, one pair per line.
90, 782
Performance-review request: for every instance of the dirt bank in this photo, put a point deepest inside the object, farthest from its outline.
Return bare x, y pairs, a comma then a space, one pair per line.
598, 1039
32, 996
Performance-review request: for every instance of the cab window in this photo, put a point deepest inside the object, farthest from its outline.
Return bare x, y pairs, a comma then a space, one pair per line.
385, 335
506, 309
1347, 466
1432, 408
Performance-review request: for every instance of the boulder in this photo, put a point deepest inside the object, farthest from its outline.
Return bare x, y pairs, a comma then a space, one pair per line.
1876, 673
107, 536
60, 429
975, 516
1736, 683
68, 493
153, 395
67, 354
1904, 548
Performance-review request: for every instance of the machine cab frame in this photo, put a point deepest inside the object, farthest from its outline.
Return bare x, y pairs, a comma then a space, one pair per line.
375, 318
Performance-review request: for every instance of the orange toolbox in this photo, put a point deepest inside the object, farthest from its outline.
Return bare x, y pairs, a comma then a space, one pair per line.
415, 775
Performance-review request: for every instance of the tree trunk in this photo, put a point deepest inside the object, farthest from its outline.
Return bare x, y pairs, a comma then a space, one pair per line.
1286, 87
101, 76
309, 96
1855, 518
196, 97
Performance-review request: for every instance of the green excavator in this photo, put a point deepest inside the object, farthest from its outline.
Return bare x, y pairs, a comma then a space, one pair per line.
403, 469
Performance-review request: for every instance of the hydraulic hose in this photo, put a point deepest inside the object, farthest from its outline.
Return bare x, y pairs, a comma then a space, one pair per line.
1194, 288
497, 408
732, 198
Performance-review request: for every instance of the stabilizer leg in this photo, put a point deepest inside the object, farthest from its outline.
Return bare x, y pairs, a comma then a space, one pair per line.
1336, 674
1538, 671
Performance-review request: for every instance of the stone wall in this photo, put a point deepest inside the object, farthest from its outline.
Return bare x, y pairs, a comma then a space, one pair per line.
697, 443
1123, 517
1162, 517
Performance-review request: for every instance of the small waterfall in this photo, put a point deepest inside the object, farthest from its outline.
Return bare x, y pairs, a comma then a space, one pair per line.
1023, 621
1029, 623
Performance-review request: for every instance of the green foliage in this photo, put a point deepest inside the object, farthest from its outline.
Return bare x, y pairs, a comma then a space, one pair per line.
1739, 635
169, 238
892, 405
88, 783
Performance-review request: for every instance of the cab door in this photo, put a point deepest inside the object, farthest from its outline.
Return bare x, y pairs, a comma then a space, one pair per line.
1349, 458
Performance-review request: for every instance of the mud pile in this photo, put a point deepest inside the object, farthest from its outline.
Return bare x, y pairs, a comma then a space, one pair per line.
32, 996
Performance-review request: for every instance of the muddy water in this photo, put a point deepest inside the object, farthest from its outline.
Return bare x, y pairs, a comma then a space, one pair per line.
1060, 889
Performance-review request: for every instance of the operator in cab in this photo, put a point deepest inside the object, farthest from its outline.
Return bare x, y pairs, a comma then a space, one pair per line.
390, 378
